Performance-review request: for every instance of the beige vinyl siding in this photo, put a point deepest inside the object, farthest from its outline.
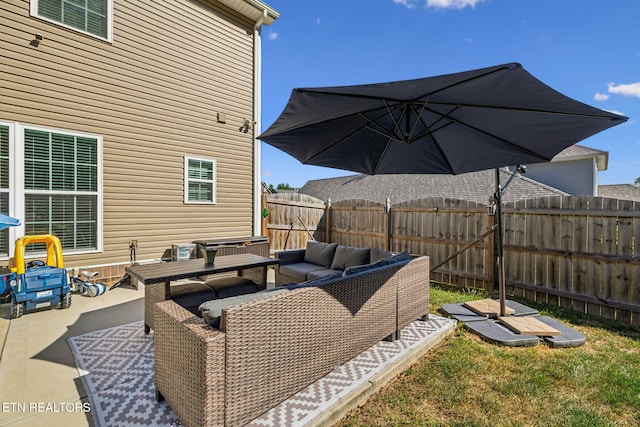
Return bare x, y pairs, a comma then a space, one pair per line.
153, 94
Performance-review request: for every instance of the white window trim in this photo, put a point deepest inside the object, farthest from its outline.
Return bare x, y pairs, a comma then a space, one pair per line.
16, 182
187, 180
109, 38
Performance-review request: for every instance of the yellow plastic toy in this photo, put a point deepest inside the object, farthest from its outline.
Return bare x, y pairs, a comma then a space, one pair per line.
54, 252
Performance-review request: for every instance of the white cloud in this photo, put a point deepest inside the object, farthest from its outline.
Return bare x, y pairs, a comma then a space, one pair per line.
439, 4
406, 3
616, 112
632, 89
601, 97
272, 36
318, 21
452, 4
267, 174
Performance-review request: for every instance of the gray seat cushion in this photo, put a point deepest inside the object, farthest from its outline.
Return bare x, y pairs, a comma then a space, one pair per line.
320, 253
232, 286
320, 281
191, 295
312, 275
299, 270
212, 310
179, 289
346, 256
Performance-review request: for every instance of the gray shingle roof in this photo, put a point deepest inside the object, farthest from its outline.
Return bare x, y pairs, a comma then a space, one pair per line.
578, 151
474, 186
620, 191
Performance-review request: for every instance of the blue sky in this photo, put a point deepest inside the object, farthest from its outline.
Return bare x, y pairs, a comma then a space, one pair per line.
589, 50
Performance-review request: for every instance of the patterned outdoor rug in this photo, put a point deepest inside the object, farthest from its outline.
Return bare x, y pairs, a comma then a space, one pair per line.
116, 366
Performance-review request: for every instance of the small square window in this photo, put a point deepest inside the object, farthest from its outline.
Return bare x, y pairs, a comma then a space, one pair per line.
199, 180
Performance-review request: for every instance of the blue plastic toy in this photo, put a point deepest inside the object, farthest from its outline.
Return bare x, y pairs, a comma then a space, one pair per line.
38, 284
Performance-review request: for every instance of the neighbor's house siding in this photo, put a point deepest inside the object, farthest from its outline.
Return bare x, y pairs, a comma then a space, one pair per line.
576, 177
153, 95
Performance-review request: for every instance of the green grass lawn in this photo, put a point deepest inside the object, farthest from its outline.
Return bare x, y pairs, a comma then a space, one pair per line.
465, 381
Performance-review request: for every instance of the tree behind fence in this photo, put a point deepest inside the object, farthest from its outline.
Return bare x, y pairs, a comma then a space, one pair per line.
580, 253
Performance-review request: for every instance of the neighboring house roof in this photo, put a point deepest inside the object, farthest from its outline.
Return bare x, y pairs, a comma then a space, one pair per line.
474, 186
578, 152
620, 191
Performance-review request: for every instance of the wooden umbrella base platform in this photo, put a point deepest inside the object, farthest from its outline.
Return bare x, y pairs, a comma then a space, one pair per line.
525, 327
529, 325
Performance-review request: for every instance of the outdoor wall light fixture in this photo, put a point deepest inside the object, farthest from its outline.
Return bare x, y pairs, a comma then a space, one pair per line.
246, 126
37, 39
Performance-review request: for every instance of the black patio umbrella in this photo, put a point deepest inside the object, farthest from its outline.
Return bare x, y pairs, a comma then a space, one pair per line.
449, 124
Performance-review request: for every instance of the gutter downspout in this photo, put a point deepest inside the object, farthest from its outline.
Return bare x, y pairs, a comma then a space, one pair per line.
257, 114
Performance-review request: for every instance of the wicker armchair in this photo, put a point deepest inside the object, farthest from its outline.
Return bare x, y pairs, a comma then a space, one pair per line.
268, 349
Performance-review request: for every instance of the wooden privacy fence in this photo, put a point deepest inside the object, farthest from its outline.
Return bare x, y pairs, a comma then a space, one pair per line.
581, 253
292, 218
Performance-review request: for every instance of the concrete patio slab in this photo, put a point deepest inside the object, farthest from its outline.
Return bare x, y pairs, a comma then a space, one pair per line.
40, 384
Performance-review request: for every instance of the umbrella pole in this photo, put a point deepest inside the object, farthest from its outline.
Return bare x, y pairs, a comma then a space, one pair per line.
499, 249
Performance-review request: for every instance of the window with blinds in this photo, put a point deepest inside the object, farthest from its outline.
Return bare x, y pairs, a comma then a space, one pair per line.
199, 182
61, 187
89, 16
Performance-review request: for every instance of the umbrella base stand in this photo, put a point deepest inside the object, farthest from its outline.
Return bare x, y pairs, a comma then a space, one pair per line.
502, 331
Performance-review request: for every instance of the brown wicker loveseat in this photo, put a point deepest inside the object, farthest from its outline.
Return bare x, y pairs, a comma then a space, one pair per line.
268, 349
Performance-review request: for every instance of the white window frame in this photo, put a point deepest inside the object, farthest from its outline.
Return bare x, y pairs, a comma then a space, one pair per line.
16, 183
187, 180
109, 38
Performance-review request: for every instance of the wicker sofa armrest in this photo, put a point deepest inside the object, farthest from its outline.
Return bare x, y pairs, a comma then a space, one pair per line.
413, 291
189, 365
287, 257
291, 257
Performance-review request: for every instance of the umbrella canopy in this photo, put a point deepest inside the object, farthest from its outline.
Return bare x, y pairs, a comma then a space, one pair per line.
449, 124
7, 221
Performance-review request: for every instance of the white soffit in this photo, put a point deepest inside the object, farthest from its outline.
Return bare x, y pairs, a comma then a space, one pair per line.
253, 9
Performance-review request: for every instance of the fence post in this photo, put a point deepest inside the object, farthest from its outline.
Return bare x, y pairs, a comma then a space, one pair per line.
327, 221
387, 210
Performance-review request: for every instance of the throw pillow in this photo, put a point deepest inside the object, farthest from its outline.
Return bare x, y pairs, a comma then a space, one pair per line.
400, 257
347, 256
378, 254
320, 253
